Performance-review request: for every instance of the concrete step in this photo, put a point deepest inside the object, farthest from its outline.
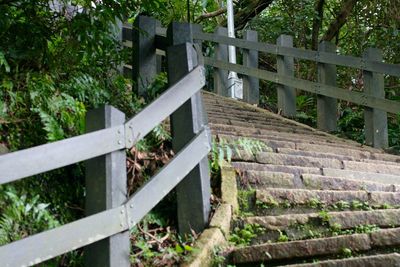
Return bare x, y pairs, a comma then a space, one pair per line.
355, 153
251, 118
274, 144
280, 138
296, 170
386, 157
314, 248
267, 134
265, 126
300, 249
363, 175
392, 259
263, 179
341, 220
293, 160
376, 161
313, 154
371, 167
271, 179
273, 196
320, 182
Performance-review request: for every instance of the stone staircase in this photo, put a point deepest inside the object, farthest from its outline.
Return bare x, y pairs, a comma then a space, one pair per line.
308, 198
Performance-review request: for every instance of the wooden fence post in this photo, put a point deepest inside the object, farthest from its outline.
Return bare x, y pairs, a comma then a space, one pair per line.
285, 66
144, 61
251, 85
159, 58
193, 192
105, 189
376, 126
220, 75
327, 106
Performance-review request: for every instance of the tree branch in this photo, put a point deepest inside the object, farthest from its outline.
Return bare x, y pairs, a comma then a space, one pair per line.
337, 24
211, 14
246, 10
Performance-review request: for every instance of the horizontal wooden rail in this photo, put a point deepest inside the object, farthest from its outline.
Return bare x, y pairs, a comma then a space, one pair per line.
127, 31
28, 162
318, 88
163, 182
31, 161
316, 56
160, 38
164, 105
49, 244
52, 243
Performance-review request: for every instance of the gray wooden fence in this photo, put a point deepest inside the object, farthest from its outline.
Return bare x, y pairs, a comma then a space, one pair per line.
110, 214
372, 98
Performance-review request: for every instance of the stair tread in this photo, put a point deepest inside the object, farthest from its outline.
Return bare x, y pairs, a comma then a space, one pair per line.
391, 259
321, 182
384, 178
275, 179
342, 219
301, 248
326, 197
316, 247
302, 167
294, 160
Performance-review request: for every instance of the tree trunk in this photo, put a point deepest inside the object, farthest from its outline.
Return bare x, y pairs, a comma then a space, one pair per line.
337, 24
317, 23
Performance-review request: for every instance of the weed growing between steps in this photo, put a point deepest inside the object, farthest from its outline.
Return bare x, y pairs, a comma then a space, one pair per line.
243, 236
318, 227
155, 241
223, 150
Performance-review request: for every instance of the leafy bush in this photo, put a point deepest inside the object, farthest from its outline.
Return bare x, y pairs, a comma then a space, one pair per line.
22, 215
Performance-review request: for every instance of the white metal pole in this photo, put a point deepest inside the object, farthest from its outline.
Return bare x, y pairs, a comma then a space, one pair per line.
231, 31
233, 81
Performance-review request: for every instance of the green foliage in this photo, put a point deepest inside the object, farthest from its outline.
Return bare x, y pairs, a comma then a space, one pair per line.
282, 237
346, 252
55, 65
366, 229
155, 244
218, 258
315, 203
245, 197
22, 215
223, 149
394, 132
370, 24
270, 203
243, 237
351, 124
306, 106
324, 216
168, 11
359, 205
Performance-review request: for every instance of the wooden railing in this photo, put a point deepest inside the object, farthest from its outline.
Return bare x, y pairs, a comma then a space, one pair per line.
372, 97
104, 232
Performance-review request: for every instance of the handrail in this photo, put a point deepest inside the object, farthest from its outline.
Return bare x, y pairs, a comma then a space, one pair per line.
313, 87
46, 245
106, 185
316, 56
32, 161
170, 100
